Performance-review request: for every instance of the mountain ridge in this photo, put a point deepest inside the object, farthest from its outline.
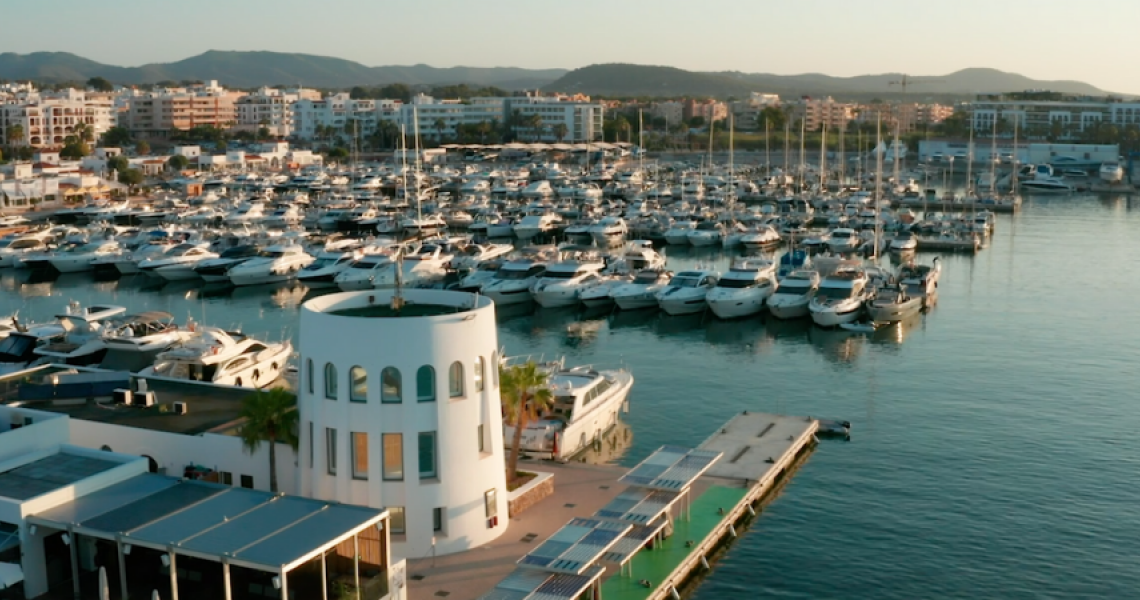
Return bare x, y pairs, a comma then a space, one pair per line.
251, 69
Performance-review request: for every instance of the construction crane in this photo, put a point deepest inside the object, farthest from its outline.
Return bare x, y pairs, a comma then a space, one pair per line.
907, 80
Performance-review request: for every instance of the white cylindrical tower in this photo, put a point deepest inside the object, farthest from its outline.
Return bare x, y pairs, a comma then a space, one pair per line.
400, 409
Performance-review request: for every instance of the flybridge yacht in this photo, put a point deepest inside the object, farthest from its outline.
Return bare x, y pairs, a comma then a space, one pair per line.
511, 284
82, 342
326, 266
473, 255
14, 247
844, 240
741, 291
564, 281
839, 298
216, 270
686, 292
642, 291
585, 406
273, 264
609, 231
189, 254
222, 358
793, 294
76, 259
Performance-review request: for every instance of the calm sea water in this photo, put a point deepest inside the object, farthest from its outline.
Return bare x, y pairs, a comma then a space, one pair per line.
995, 442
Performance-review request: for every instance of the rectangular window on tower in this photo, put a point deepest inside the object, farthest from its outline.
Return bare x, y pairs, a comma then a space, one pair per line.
393, 449
359, 455
428, 468
330, 449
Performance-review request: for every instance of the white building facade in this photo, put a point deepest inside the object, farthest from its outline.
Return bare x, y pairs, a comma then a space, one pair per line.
271, 108
404, 412
47, 119
336, 113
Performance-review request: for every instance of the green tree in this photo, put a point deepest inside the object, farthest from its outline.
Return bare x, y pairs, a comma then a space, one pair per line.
15, 135
118, 163
358, 93
178, 162
697, 122
1, 158
100, 84
271, 417
222, 146
263, 133
773, 116
337, 152
439, 125
130, 178
560, 131
74, 148
142, 148
525, 397
116, 137
484, 128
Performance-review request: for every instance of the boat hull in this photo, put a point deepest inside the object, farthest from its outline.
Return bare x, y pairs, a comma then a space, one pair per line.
834, 317
791, 309
683, 305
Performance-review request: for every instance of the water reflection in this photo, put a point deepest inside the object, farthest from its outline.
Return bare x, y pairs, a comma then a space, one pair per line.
748, 336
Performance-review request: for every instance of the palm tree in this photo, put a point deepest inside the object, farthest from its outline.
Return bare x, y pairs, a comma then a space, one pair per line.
525, 397
439, 126
560, 131
270, 416
535, 124
484, 128
15, 134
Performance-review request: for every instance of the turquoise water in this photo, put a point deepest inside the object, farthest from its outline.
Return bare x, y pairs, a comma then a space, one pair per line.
994, 440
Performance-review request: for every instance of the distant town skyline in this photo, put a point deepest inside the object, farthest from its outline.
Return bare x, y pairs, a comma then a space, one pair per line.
1042, 39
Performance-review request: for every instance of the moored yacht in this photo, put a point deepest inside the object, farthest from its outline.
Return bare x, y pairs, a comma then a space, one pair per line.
839, 298
271, 265
82, 342
563, 281
686, 292
15, 247
742, 290
76, 259
793, 294
586, 404
892, 303
216, 270
609, 231
326, 266
222, 358
844, 240
511, 283
642, 291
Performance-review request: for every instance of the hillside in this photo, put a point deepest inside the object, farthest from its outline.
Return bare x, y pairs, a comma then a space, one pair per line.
646, 80
253, 69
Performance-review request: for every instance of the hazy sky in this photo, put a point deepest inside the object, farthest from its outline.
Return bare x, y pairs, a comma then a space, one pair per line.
1091, 40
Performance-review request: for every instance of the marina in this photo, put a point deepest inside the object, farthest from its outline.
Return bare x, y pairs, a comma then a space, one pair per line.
734, 357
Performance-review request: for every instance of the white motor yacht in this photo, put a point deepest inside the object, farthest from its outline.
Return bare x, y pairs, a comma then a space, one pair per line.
586, 404
424, 225
533, 225
216, 270
1111, 172
793, 294
511, 283
15, 247
641, 292
82, 342
476, 278
427, 265
844, 239
920, 280
184, 267
892, 303
640, 254
17, 350
326, 265
222, 358
678, 232
609, 231
143, 332
599, 293
760, 237
538, 189
273, 264
192, 253
741, 291
76, 259
246, 213
904, 241
686, 292
839, 298
470, 257
283, 216
564, 280
360, 274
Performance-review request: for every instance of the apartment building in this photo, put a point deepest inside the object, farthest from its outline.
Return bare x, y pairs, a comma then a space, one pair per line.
338, 112
271, 108
710, 110
155, 113
904, 117
818, 112
46, 119
1039, 117
582, 119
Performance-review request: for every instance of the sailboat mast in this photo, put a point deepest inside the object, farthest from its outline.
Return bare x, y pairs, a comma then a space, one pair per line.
404, 159
767, 147
416, 126
878, 181
970, 165
995, 161
731, 163
1016, 159
823, 158
803, 157
897, 151
842, 158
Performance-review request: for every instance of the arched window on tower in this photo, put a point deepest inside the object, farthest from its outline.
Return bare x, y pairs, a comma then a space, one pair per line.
425, 384
359, 379
330, 381
391, 388
455, 380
